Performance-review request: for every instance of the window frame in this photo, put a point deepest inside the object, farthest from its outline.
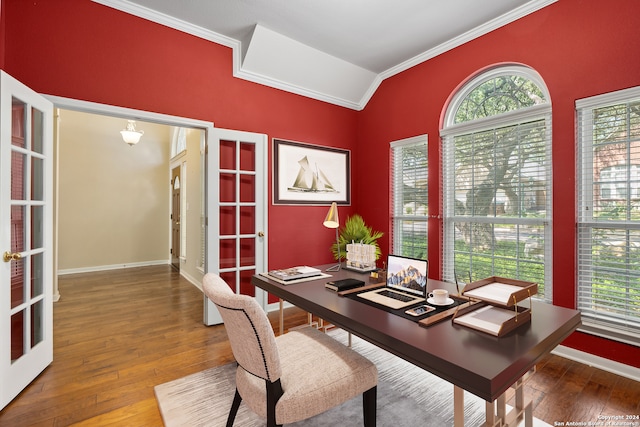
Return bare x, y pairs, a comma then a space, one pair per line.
597, 322
448, 134
398, 218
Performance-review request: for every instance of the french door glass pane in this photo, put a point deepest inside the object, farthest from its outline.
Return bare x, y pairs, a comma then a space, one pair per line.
246, 288
17, 335
227, 155
17, 228
37, 323
18, 175
230, 278
247, 188
247, 220
227, 253
17, 283
227, 220
37, 224
37, 183
37, 129
227, 187
247, 251
37, 275
247, 157
18, 123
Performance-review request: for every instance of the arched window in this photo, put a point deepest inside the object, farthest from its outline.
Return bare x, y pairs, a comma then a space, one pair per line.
497, 179
178, 141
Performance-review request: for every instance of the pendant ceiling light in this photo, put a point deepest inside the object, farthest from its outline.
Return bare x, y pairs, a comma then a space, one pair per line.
130, 135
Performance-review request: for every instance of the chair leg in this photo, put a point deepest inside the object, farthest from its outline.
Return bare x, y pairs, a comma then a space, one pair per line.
234, 409
274, 393
369, 406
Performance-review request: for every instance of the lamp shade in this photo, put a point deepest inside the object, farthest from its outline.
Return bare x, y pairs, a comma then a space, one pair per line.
332, 221
130, 135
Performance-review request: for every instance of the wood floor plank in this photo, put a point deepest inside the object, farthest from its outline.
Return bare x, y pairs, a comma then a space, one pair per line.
119, 333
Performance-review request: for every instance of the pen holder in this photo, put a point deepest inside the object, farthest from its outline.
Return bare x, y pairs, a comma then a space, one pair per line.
378, 276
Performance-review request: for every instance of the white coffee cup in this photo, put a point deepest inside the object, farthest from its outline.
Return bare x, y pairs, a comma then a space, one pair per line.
439, 296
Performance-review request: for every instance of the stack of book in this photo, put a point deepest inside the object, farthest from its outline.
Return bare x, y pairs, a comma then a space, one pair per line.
295, 273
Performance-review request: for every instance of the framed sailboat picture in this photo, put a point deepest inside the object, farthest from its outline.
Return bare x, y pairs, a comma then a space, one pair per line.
305, 174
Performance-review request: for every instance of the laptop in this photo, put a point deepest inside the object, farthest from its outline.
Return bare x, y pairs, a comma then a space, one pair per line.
406, 283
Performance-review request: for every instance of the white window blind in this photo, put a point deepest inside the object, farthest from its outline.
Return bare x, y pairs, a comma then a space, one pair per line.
608, 169
497, 180
409, 196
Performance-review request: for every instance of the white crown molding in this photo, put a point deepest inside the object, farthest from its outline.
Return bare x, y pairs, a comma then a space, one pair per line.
308, 91
170, 21
288, 87
481, 30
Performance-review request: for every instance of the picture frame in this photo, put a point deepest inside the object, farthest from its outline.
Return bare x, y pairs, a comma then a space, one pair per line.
305, 174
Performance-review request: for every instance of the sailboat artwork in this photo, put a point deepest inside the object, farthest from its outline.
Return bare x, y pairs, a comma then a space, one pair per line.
310, 174
310, 180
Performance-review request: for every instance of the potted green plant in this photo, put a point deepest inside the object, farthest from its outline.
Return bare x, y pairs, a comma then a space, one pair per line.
355, 231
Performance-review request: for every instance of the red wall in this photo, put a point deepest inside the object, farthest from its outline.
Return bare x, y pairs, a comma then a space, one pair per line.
83, 50
580, 48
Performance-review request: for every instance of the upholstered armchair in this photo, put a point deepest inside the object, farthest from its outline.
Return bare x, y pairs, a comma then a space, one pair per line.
293, 376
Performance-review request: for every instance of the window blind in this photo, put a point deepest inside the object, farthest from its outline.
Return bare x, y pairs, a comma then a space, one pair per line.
608, 176
409, 196
497, 208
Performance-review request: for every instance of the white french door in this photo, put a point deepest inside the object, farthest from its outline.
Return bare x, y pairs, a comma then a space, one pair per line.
26, 270
237, 194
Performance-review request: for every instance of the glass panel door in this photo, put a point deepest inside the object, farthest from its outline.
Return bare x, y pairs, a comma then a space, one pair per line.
25, 236
237, 194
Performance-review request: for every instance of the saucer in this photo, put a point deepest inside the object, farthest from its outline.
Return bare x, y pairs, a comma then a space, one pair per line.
448, 302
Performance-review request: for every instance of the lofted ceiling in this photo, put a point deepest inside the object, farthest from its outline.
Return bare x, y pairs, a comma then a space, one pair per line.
337, 51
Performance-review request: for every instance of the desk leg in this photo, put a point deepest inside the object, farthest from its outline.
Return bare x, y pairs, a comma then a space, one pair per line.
458, 406
281, 316
490, 415
497, 415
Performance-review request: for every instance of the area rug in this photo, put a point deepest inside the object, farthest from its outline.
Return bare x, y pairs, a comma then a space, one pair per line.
407, 396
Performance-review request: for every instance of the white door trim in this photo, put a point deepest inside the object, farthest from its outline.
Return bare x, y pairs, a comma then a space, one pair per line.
125, 113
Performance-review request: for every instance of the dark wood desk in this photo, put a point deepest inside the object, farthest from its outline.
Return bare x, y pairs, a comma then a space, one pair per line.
479, 363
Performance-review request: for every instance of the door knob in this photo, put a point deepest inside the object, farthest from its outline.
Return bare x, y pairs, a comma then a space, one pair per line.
8, 256
260, 234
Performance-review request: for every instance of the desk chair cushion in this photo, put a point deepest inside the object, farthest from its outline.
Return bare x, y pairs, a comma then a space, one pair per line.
318, 373
250, 334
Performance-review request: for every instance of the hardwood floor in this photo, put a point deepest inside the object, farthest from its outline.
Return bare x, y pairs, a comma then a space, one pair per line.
119, 333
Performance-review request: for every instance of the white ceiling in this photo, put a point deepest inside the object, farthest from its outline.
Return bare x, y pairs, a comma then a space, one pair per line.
333, 50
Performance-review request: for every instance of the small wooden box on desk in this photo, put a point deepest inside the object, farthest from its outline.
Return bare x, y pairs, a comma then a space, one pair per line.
499, 312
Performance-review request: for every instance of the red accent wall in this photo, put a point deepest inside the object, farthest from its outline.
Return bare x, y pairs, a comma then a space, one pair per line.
83, 50
580, 48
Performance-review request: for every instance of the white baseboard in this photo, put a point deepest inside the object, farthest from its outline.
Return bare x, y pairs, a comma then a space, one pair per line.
112, 267
598, 362
195, 282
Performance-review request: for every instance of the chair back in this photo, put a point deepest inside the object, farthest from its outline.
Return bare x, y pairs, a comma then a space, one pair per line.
250, 333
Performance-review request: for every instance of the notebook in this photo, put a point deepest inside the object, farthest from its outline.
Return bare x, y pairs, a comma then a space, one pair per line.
406, 283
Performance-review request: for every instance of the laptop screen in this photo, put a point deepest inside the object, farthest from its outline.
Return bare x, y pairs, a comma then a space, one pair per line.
407, 274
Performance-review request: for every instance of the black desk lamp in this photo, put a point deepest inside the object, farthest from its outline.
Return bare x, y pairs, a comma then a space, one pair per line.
332, 221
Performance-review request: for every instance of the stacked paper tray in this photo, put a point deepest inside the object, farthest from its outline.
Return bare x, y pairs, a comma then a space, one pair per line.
498, 312
500, 291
